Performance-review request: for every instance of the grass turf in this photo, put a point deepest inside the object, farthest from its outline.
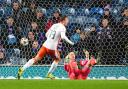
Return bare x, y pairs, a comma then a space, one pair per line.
63, 84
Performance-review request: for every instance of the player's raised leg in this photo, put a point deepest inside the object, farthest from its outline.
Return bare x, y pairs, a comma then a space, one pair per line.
39, 55
87, 68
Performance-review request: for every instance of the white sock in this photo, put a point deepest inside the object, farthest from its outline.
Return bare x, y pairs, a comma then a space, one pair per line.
28, 64
53, 67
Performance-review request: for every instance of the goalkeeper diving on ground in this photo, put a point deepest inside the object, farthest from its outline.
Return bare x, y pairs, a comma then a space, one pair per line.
54, 35
80, 69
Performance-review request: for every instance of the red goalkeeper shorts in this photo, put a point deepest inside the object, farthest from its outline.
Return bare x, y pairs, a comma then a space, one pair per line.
84, 73
80, 73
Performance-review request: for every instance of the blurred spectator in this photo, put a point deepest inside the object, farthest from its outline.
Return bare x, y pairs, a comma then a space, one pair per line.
35, 47
125, 12
40, 19
9, 2
108, 15
26, 52
81, 44
2, 12
10, 33
39, 36
2, 55
17, 13
31, 36
104, 31
92, 41
19, 16
31, 12
88, 41
124, 15
99, 3
10, 36
76, 37
104, 41
54, 19
15, 57
125, 23
34, 27
13, 8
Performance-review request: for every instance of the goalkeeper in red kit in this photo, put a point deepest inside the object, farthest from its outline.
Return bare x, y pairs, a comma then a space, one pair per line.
81, 69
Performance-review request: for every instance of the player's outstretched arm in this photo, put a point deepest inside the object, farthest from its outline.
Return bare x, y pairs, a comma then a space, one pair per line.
63, 36
86, 54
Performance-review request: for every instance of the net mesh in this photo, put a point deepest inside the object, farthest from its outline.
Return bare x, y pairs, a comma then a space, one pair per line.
99, 26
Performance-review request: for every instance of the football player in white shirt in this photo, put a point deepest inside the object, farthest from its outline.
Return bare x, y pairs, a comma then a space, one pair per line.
54, 35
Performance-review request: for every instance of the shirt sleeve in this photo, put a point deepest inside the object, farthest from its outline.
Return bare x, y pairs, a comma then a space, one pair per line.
63, 36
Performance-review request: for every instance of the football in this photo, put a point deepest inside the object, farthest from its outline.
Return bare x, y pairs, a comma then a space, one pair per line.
24, 41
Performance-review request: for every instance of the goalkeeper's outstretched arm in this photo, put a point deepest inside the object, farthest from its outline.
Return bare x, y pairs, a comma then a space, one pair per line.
86, 54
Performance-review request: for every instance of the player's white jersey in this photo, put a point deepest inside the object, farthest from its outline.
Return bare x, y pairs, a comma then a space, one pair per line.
54, 35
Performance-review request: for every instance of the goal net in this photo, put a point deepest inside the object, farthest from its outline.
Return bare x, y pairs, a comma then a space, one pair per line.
99, 26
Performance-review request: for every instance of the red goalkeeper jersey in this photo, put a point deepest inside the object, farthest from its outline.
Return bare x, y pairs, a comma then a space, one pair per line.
74, 71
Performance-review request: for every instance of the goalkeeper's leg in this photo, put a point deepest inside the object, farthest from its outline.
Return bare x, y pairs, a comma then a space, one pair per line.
40, 54
87, 68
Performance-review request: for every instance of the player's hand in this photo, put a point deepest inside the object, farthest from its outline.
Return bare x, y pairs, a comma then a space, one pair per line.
86, 53
67, 57
84, 50
73, 43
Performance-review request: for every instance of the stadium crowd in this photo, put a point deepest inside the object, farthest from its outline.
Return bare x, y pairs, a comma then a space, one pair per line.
100, 26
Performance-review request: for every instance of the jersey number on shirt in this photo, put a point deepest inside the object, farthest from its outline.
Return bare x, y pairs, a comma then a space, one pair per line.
52, 34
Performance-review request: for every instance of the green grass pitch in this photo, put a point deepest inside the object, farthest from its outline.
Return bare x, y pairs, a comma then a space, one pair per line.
63, 84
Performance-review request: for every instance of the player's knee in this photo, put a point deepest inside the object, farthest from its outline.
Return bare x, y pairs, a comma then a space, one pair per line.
57, 59
37, 58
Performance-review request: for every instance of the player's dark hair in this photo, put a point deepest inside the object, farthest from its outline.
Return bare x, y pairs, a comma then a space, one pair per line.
63, 17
